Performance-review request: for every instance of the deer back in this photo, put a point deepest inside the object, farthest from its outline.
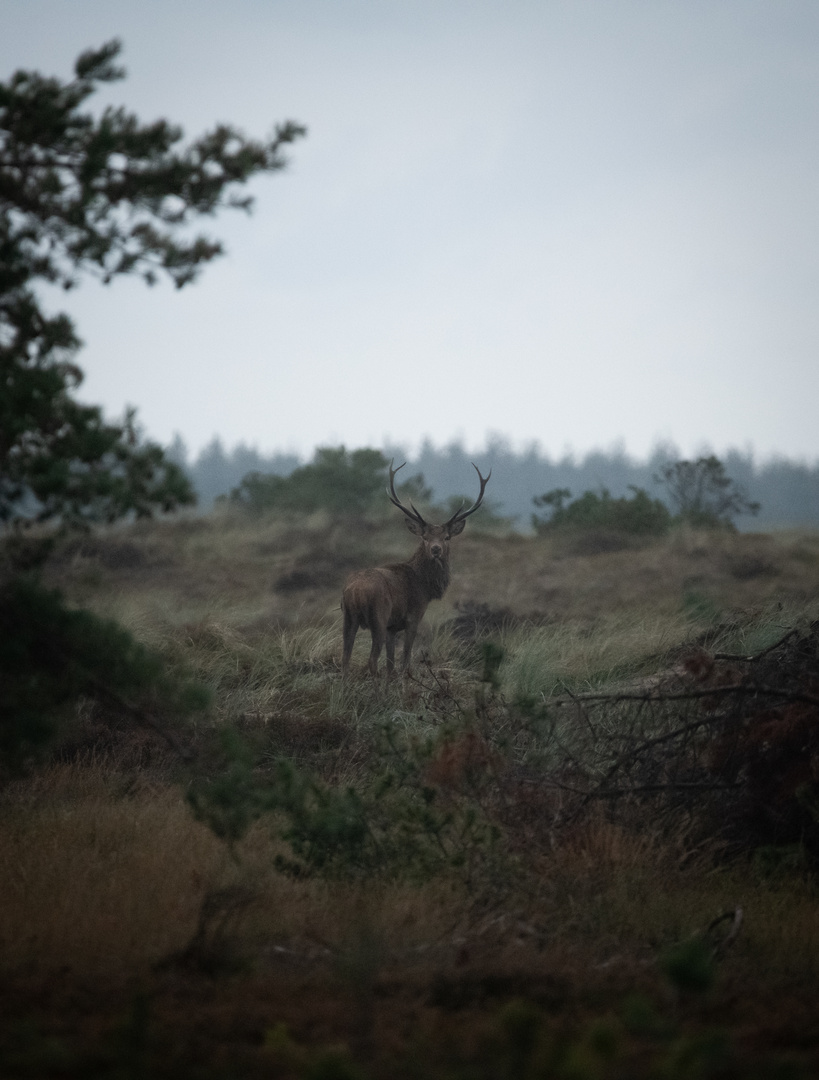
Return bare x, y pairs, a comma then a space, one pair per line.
389, 595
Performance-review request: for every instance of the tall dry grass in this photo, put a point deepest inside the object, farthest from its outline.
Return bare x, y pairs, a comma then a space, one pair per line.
96, 879
107, 882
108, 879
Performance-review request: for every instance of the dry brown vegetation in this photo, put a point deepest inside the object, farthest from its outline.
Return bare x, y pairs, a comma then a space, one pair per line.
560, 933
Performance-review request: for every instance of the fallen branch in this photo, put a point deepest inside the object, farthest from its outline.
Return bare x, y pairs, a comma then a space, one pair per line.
689, 695
759, 655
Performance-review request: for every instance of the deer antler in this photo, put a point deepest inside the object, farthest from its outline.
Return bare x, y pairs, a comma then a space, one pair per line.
461, 514
413, 515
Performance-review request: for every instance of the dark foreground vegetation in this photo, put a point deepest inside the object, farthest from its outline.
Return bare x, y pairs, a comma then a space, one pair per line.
580, 840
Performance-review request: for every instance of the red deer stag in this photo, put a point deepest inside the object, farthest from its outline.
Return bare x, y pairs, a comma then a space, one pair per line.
389, 599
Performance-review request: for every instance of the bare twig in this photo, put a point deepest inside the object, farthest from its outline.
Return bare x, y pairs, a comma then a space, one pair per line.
638, 789
674, 785
581, 710
736, 916
636, 751
143, 718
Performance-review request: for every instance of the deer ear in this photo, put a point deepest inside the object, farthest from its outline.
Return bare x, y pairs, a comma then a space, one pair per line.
414, 526
457, 528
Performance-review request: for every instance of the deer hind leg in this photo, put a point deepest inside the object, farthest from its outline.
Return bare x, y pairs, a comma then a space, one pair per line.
349, 631
379, 634
390, 651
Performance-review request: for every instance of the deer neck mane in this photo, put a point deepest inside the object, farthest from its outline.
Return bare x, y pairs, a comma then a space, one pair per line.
433, 574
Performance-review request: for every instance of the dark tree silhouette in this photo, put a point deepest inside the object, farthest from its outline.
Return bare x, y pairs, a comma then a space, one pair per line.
109, 196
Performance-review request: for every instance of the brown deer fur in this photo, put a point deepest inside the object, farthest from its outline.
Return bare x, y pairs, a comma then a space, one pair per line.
389, 600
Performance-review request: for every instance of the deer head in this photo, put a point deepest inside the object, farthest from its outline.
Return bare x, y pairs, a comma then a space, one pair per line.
435, 538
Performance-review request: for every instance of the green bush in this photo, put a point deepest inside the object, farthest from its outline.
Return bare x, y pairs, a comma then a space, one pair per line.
346, 483
639, 515
50, 655
393, 825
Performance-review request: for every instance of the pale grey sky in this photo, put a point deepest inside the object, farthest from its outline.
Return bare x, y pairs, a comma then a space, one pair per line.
567, 221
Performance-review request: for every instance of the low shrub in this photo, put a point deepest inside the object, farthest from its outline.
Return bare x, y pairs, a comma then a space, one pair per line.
639, 515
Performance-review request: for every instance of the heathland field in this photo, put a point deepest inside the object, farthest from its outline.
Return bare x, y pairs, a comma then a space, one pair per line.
580, 840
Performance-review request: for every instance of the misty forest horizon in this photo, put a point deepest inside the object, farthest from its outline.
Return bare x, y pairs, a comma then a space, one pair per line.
787, 490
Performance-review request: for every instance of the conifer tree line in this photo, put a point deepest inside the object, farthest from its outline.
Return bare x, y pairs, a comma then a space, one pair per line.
786, 491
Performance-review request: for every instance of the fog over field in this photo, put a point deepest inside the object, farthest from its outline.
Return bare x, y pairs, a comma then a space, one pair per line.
566, 224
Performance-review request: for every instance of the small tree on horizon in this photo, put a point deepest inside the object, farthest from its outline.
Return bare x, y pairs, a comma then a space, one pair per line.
106, 196
702, 494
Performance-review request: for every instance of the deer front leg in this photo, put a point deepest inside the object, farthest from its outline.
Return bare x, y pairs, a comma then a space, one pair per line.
410, 631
